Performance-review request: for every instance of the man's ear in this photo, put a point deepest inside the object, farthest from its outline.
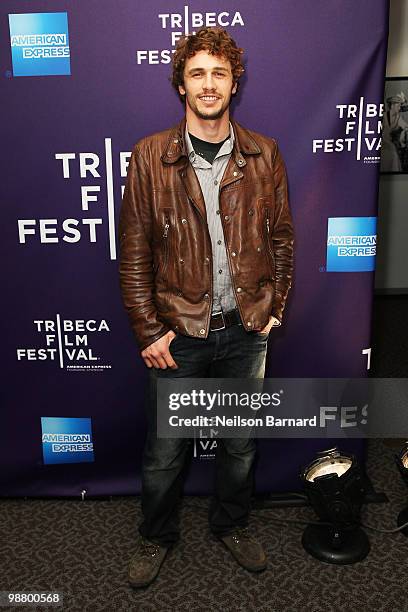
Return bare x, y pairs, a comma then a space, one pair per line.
182, 91
234, 89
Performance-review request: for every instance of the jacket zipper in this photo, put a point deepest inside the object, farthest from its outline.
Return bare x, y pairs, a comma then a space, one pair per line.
166, 243
268, 243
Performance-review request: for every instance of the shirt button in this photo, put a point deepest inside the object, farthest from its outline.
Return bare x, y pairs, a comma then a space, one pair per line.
226, 217
215, 182
219, 242
239, 289
202, 332
179, 293
184, 221
219, 271
175, 140
250, 212
218, 212
206, 296
181, 261
207, 260
235, 173
233, 253
249, 324
259, 249
240, 162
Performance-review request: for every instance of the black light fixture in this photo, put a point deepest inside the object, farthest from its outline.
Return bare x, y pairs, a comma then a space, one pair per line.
336, 486
402, 463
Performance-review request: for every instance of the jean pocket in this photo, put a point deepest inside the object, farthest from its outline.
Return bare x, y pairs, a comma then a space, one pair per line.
176, 337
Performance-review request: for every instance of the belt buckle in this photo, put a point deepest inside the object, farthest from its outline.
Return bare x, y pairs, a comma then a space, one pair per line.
220, 312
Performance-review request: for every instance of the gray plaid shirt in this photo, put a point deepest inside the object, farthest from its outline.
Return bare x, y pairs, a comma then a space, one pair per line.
209, 177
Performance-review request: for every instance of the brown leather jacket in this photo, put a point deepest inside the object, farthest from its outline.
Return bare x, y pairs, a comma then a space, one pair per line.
165, 247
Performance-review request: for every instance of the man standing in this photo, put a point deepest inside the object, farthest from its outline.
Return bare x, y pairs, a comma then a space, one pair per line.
206, 264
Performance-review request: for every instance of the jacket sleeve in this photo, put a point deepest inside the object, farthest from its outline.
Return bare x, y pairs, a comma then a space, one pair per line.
136, 258
282, 237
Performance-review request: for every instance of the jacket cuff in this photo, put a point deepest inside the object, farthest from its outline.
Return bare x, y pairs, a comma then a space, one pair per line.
148, 341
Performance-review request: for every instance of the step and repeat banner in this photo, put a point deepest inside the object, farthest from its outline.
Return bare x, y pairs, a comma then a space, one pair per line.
81, 83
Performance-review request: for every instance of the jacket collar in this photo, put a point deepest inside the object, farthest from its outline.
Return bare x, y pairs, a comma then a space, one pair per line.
244, 144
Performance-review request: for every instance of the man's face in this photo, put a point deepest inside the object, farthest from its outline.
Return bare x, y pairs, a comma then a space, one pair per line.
208, 85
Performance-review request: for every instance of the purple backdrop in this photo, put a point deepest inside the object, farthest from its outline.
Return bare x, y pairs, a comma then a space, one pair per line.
303, 59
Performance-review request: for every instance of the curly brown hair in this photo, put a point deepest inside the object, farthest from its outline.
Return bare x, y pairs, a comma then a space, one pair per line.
216, 41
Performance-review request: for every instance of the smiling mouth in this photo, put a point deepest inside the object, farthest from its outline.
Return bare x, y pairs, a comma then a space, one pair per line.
209, 98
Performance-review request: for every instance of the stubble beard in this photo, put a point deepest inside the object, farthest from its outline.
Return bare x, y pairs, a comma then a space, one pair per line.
213, 116
210, 116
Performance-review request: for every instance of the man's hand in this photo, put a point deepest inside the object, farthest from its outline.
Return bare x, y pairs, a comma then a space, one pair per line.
157, 355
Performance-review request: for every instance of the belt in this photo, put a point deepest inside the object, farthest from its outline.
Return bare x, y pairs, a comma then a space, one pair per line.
221, 320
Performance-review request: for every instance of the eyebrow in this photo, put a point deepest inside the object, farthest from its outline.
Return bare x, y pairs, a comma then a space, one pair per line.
219, 68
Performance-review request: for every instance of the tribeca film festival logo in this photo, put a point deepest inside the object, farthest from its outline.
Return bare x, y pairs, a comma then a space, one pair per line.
67, 440
183, 24
39, 44
362, 125
205, 443
66, 341
72, 230
351, 244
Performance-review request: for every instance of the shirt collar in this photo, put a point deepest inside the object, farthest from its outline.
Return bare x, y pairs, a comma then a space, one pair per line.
226, 148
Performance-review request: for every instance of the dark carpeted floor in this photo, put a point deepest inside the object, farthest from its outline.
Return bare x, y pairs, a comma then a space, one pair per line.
82, 549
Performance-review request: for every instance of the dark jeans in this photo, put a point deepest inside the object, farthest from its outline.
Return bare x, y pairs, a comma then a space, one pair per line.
227, 353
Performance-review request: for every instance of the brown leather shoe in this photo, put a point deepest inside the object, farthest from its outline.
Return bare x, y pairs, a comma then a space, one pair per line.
145, 563
245, 549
